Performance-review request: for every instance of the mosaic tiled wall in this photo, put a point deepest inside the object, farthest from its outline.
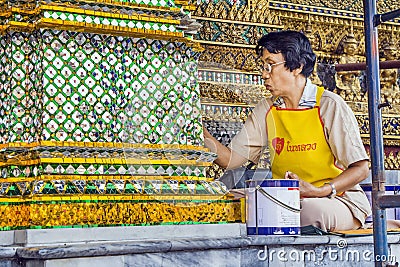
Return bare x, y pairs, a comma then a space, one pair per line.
99, 88
100, 110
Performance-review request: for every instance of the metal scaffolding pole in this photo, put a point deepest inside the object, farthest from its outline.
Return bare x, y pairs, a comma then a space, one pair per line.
379, 201
375, 130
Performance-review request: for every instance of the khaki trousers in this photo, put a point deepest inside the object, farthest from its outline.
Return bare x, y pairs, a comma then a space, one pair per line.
327, 214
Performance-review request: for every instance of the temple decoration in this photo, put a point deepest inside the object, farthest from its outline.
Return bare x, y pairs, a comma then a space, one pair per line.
349, 80
309, 33
389, 77
230, 32
100, 116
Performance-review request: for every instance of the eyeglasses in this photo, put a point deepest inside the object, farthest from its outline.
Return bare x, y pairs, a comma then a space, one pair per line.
267, 67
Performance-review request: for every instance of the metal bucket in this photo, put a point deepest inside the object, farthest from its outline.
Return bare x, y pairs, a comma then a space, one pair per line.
273, 207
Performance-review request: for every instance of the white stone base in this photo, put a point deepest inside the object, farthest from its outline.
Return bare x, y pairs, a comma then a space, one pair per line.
61, 236
183, 245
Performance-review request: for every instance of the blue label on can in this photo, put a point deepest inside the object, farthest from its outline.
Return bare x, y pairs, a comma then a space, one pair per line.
273, 183
273, 230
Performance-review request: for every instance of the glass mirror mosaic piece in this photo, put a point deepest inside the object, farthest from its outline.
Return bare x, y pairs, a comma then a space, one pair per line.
100, 117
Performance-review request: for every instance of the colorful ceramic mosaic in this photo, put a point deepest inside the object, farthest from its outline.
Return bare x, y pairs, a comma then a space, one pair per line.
101, 89
229, 77
100, 112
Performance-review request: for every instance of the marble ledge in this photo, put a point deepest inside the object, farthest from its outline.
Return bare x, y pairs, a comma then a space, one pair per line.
51, 237
76, 236
134, 247
318, 240
8, 252
195, 244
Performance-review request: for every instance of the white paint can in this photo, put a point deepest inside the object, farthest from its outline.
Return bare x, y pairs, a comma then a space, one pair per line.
273, 207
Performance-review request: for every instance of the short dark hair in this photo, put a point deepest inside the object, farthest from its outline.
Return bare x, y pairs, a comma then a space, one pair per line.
294, 46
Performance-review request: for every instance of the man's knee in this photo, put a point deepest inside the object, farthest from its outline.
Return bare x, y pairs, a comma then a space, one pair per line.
327, 214
312, 213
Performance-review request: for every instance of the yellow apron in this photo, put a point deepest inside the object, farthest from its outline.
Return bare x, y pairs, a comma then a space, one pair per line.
297, 143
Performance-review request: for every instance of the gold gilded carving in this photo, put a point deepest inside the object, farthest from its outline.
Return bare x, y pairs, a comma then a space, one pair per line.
214, 171
254, 11
219, 57
363, 123
231, 93
213, 10
355, 6
335, 37
314, 76
392, 161
390, 123
233, 57
258, 10
389, 76
349, 80
391, 158
212, 111
387, 141
219, 11
254, 34
251, 62
127, 213
207, 31
232, 33
358, 101
327, 36
309, 33
327, 33
353, 96
230, 59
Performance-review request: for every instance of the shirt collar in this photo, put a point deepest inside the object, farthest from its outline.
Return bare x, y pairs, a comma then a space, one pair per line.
307, 100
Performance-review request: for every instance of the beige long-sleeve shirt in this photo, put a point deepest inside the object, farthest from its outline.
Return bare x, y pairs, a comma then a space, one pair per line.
341, 132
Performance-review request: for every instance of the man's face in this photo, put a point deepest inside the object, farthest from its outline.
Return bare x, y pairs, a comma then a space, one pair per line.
280, 80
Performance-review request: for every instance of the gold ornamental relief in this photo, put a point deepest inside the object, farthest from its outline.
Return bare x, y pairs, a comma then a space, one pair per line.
254, 34
327, 38
259, 10
386, 141
232, 57
208, 31
232, 93
389, 77
212, 10
264, 16
387, 5
253, 11
328, 33
390, 122
391, 157
392, 161
355, 6
231, 33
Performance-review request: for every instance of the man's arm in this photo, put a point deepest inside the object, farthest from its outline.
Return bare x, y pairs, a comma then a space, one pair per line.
247, 144
227, 158
356, 173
